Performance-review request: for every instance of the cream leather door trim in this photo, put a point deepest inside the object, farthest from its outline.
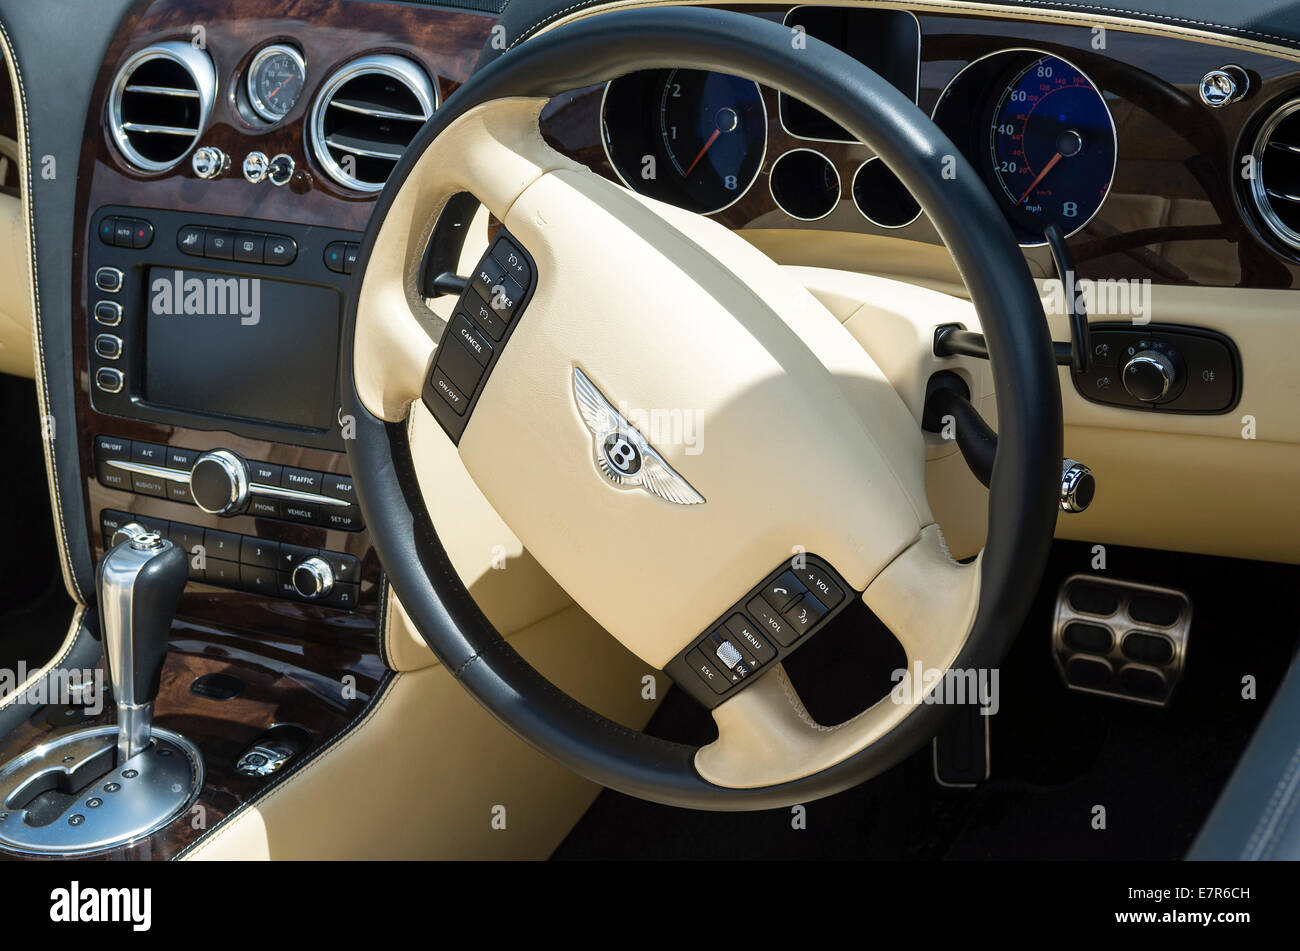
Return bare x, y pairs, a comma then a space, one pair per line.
766, 736
16, 347
420, 776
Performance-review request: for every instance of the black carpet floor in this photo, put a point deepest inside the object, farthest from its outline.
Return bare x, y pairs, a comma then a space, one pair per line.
1056, 754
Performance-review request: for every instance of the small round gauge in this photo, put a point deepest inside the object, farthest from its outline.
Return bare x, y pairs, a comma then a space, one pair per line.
275, 80
1052, 148
703, 145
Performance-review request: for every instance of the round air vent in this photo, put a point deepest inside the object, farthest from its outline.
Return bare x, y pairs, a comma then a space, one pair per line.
160, 102
366, 115
1275, 182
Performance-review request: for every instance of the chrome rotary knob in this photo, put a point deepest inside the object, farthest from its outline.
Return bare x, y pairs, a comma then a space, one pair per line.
314, 578
219, 483
1148, 376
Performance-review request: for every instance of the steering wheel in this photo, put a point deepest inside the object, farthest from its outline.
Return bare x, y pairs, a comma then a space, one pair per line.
805, 444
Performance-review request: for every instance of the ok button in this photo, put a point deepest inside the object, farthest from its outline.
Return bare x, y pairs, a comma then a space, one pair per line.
474, 342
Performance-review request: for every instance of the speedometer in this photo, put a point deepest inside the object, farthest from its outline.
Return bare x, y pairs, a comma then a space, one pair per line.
1052, 147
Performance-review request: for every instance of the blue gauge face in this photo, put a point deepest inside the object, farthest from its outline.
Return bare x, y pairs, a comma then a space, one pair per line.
1052, 145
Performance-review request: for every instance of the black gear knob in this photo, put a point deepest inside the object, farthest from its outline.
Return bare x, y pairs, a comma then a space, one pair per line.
140, 582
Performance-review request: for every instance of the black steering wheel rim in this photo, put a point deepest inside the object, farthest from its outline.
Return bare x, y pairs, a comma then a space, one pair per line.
1024, 484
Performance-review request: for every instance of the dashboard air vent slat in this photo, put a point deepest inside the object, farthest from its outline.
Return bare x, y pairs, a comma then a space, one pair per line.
365, 116
160, 102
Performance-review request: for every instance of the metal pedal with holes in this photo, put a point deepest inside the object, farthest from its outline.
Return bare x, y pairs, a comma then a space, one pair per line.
1120, 638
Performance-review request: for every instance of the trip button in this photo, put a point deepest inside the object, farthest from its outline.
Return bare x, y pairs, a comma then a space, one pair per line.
782, 592
264, 473
771, 623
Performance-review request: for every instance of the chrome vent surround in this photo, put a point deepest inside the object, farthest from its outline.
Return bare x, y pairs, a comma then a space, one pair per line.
159, 104
365, 116
1275, 183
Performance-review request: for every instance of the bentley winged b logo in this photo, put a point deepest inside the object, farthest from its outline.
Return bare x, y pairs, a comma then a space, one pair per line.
622, 454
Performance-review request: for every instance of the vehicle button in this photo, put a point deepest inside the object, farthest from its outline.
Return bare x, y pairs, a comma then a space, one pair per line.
307, 513
450, 394
261, 506
804, 613
473, 341
107, 228
782, 592
191, 239
483, 315
182, 459
291, 556
108, 346
141, 233
180, 492
123, 232
280, 250
345, 567
461, 367
259, 580
148, 453
223, 545
108, 280
707, 671
249, 247
220, 572
259, 551
219, 243
771, 623
747, 636
108, 379
342, 596
508, 255
819, 582
335, 255
265, 473
108, 313
301, 480
148, 485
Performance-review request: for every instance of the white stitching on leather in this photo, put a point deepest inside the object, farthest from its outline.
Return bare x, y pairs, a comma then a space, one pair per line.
69, 639
43, 392
1284, 792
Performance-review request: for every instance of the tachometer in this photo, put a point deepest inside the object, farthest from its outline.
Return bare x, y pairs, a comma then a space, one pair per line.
1052, 147
275, 80
704, 141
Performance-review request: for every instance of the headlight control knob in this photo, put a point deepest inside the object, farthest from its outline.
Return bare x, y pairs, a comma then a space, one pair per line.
1148, 376
314, 578
219, 483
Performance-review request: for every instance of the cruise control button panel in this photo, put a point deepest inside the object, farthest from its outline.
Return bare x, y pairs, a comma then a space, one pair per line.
484, 317
768, 624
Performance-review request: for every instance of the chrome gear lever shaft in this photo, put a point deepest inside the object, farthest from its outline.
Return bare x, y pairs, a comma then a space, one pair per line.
139, 582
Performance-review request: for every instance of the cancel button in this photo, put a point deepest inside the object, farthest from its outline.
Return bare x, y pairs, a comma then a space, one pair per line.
474, 341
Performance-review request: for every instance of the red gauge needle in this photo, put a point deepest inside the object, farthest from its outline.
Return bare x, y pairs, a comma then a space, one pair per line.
1041, 175
713, 138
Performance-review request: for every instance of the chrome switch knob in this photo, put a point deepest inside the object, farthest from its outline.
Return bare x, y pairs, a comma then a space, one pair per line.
1078, 486
1221, 87
314, 578
210, 162
219, 483
1148, 376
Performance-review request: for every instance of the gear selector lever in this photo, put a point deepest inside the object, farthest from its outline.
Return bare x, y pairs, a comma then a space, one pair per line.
140, 582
